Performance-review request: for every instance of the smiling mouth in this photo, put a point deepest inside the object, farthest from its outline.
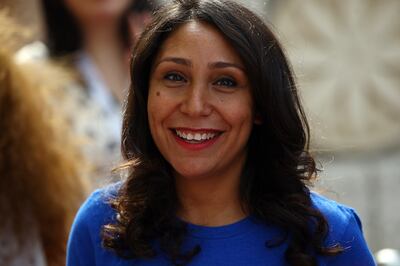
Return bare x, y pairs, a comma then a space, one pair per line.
197, 136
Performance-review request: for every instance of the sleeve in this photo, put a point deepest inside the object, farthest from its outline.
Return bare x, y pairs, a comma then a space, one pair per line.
356, 251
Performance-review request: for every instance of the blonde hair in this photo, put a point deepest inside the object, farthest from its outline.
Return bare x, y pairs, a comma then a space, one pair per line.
40, 168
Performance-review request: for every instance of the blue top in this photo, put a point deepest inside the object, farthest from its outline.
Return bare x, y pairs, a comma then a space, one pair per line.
237, 244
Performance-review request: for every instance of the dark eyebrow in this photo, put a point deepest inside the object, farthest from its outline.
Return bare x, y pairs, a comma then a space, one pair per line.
221, 64
176, 60
186, 62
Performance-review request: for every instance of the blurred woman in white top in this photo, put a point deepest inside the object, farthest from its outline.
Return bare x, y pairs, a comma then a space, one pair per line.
94, 39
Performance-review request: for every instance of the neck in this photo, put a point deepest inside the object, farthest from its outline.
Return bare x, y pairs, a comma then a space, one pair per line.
103, 32
105, 46
210, 201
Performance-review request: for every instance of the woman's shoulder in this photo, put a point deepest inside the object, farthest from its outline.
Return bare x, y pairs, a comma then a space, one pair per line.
84, 242
345, 229
98, 204
340, 218
336, 213
96, 211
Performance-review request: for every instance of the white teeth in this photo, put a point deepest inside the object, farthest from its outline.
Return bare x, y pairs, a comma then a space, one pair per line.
195, 136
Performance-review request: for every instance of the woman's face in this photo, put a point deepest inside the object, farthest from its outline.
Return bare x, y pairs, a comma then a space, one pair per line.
89, 11
200, 107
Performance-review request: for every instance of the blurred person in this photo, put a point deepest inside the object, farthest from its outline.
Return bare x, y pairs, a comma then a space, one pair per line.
217, 147
140, 15
41, 182
94, 38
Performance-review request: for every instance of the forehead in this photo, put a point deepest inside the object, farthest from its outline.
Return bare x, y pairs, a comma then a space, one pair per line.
201, 39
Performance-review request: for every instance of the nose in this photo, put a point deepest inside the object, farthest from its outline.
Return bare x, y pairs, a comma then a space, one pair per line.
196, 101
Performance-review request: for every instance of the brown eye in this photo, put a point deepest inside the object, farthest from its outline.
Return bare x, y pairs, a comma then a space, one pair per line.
226, 82
174, 77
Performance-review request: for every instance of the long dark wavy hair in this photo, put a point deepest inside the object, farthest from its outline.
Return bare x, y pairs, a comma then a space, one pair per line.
278, 168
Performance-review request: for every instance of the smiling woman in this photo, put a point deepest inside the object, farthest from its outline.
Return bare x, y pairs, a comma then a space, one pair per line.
216, 142
202, 119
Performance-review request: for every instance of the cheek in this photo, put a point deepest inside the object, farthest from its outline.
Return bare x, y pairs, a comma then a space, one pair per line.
152, 116
158, 107
240, 113
152, 97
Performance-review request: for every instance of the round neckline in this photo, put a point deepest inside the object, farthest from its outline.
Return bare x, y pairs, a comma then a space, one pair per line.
224, 231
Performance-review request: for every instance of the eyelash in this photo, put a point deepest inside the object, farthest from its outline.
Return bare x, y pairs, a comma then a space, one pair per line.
174, 77
222, 82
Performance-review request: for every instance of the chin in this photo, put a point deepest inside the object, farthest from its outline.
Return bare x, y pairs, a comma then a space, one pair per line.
191, 173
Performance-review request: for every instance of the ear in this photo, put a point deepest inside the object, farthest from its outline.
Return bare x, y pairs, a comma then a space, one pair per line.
258, 119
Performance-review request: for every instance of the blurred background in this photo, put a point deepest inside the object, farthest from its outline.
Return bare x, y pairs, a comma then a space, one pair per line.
346, 55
